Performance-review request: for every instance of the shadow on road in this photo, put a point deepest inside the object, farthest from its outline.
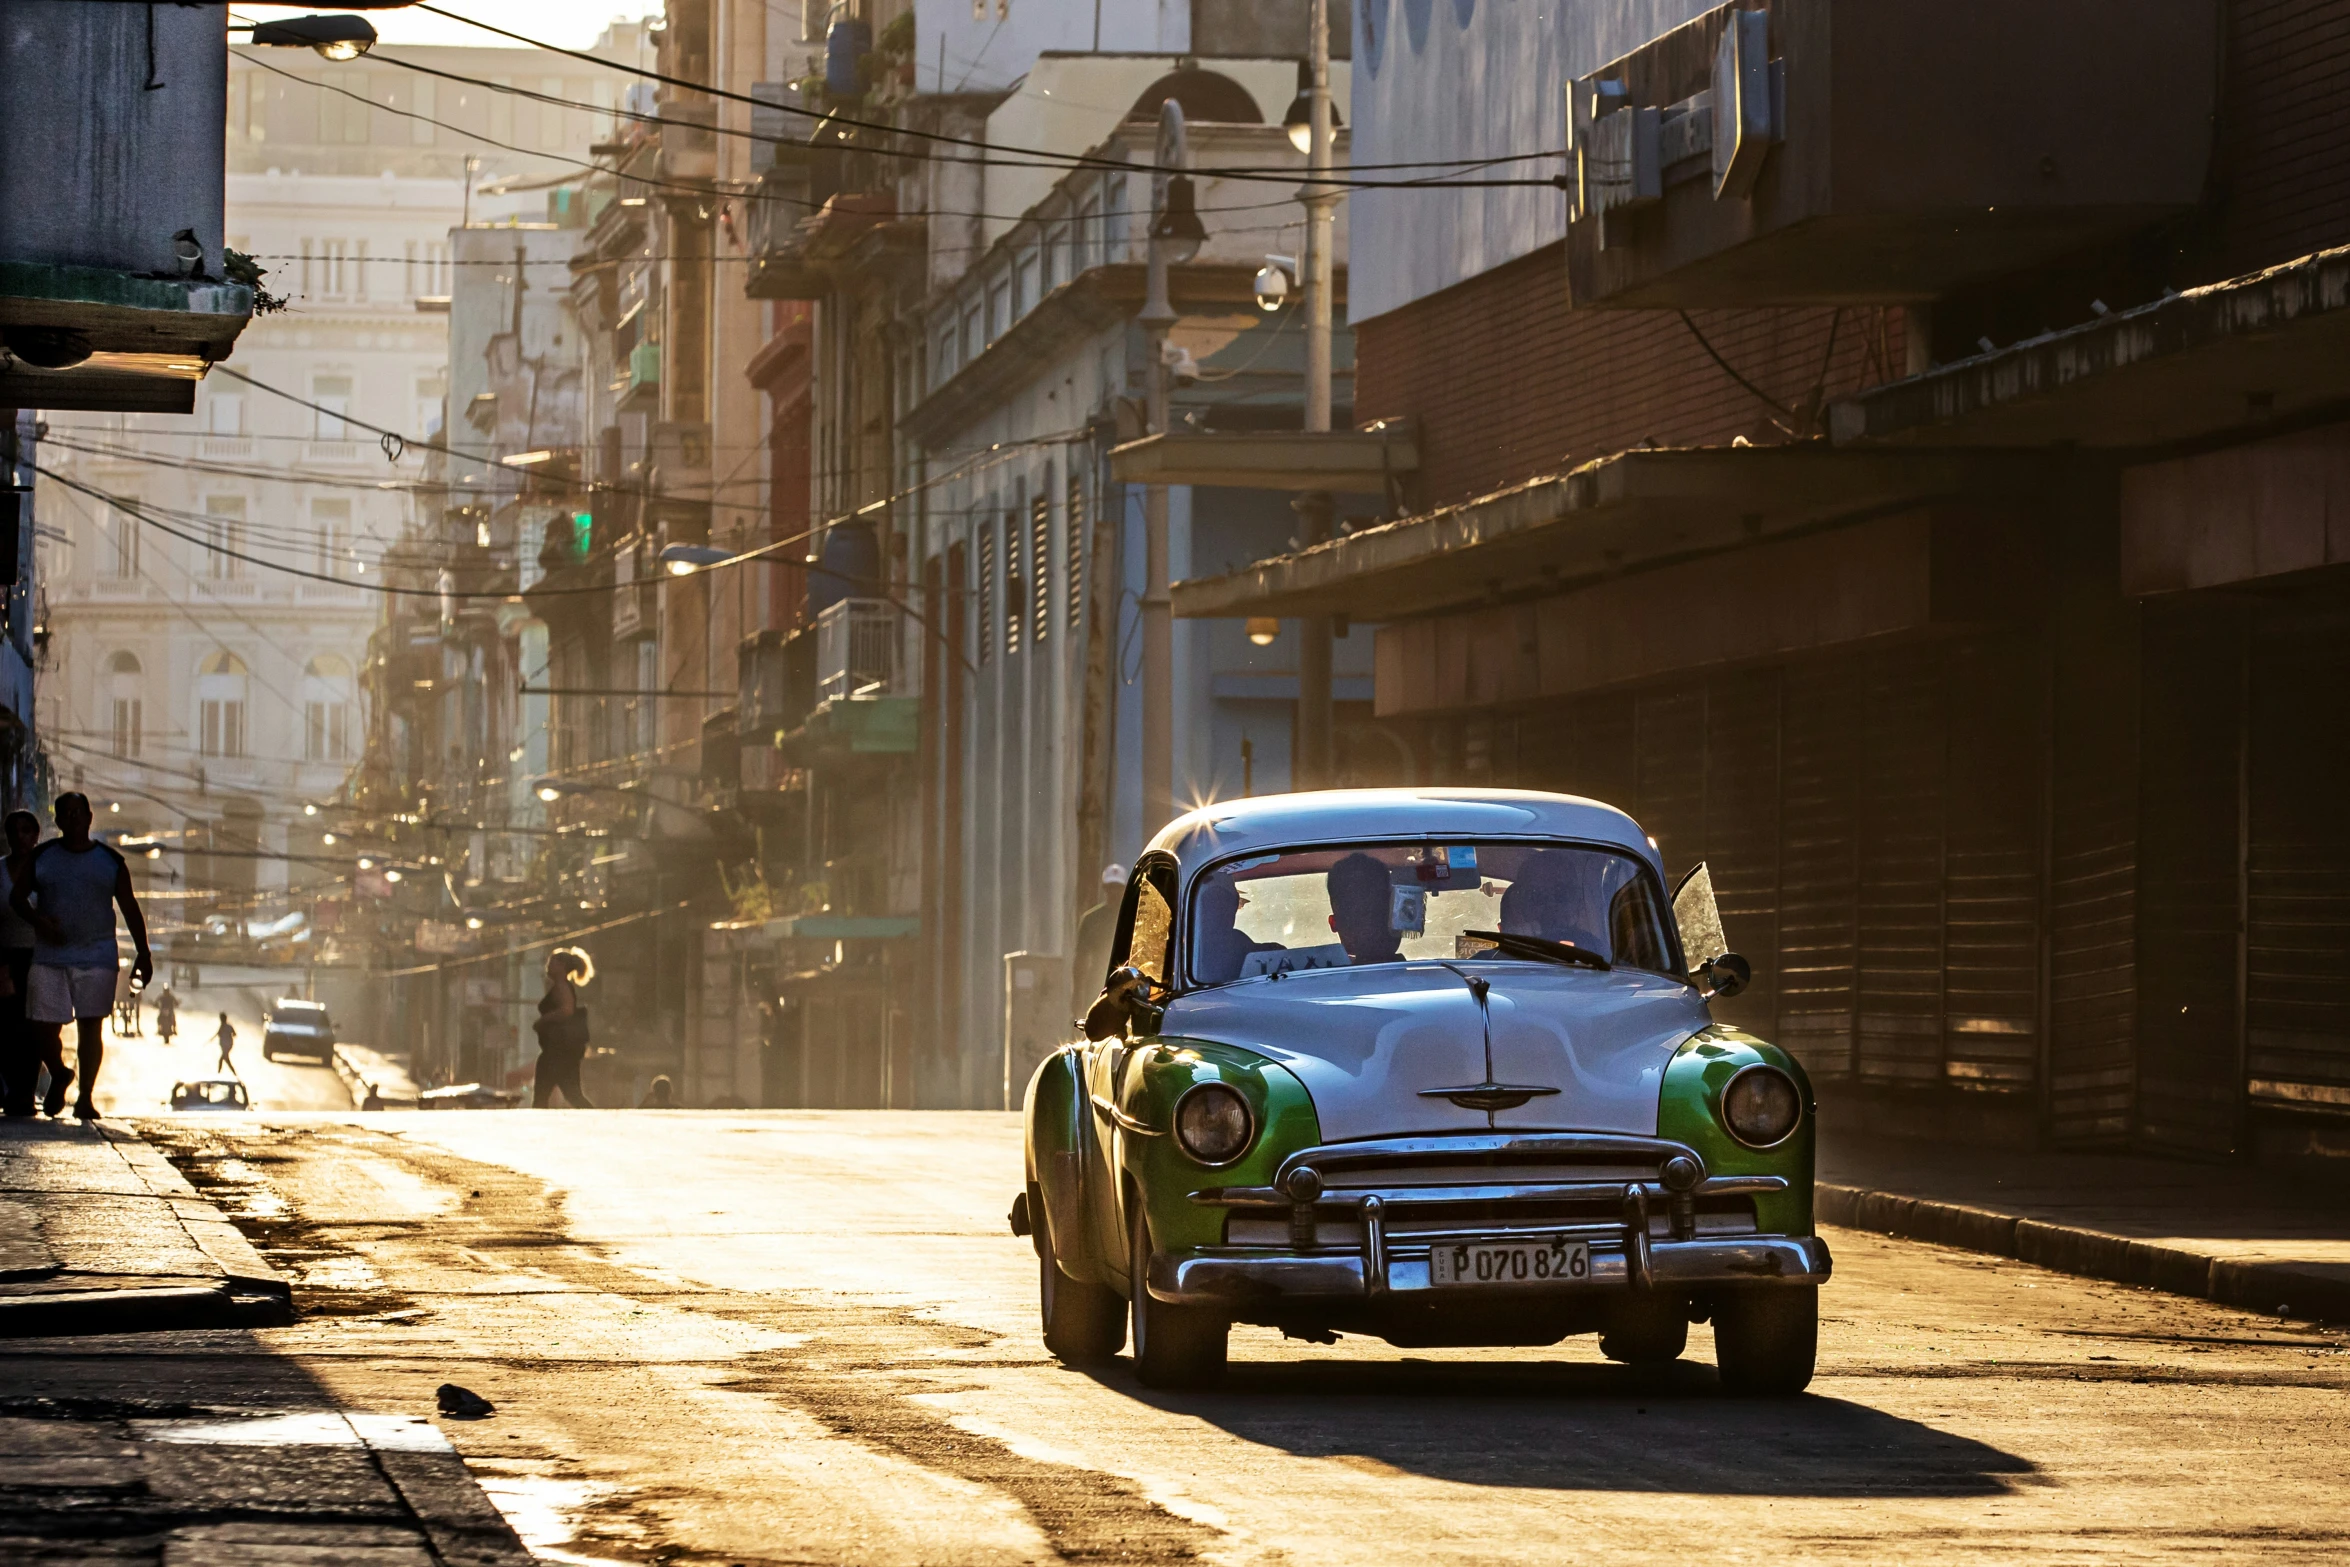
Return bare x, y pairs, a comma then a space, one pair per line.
1580, 1426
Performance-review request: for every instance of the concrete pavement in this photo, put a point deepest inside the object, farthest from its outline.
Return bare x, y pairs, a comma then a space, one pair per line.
99, 1233
807, 1336
2224, 1232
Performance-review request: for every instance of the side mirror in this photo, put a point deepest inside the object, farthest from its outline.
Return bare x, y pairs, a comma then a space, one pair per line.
1727, 975
1125, 998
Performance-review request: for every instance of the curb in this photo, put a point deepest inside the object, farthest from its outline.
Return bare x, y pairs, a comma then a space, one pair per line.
222, 1243
2275, 1288
58, 1313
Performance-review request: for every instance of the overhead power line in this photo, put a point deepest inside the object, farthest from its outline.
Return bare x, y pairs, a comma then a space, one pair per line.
1052, 159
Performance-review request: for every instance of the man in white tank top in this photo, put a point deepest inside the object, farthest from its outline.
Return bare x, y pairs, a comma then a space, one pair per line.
69, 897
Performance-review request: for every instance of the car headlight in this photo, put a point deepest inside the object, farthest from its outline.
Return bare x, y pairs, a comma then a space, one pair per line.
1761, 1106
1214, 1123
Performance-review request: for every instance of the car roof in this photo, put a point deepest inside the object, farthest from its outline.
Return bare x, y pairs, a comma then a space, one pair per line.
284, 1003
1347, 815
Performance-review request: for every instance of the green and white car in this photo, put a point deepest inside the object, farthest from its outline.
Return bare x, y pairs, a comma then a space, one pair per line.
1432, 1065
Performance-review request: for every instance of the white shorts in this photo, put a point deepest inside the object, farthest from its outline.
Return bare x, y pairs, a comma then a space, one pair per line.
60, 995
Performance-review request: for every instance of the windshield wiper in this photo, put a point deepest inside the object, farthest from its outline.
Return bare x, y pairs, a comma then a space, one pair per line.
1541, 948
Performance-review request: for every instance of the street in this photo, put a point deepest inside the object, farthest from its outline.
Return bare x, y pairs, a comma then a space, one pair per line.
138, 1073
809, 1337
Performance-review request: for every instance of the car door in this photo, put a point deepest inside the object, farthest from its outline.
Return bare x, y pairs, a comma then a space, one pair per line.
1144, 940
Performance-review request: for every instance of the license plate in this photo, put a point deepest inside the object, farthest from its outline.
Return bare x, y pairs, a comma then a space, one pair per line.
1535, 1262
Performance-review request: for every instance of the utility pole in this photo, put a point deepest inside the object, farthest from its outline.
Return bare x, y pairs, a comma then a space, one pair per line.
1312, 766
1158, 619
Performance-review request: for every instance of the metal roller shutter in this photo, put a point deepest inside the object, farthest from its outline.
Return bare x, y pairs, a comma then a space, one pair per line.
2297, 1033
1818, 871
1902, 767
1991, 943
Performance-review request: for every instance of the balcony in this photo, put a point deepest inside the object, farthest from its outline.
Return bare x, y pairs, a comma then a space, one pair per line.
224, 447
857, 650
1855, 152
336, 452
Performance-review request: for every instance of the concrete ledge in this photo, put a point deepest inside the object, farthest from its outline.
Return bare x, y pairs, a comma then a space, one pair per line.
2282, 1288
161, 1309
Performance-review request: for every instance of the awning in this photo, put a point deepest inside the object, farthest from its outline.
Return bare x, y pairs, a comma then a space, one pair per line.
1348, 460
1634, 509
2229, 357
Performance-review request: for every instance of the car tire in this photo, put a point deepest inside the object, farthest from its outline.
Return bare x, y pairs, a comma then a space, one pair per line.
1174, 1346
1766, 1340
1084, 1323
1647, 1332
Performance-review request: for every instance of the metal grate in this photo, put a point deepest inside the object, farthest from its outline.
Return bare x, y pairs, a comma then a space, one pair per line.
1073, 555
1040, 554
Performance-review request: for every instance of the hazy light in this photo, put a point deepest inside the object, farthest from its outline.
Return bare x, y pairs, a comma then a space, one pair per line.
312, 810
366, 864
549, 793
1264, 630
328, 840
391, 875
473, 922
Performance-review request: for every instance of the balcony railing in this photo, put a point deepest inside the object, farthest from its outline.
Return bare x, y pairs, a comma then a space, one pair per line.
857, 650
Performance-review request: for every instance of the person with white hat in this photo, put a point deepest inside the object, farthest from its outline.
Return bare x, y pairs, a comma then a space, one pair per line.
1095, 929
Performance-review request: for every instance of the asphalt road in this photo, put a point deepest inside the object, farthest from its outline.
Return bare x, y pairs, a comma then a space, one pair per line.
809, 1337
138, 1071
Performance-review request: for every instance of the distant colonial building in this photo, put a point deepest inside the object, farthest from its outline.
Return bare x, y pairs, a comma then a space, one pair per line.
203, 665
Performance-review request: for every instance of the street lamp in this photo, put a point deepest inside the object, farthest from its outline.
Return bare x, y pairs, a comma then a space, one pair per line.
335, 38
683, 560
1299, 121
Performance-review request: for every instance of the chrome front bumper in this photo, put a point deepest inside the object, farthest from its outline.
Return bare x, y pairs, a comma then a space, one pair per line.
1233, 1276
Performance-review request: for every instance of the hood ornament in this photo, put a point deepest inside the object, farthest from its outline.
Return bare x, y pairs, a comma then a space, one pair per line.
1488, 1095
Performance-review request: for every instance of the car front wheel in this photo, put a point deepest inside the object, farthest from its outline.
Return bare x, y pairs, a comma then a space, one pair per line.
1765, 1340
1174, 1346
1084, 1323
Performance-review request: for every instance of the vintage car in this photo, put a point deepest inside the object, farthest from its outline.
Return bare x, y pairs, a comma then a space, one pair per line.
210, 1093
1431, 1065
297, 1028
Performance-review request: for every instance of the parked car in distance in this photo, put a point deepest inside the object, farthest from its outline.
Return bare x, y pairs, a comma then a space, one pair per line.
467, 1096
1431, 1065
210, 1093
297, 1028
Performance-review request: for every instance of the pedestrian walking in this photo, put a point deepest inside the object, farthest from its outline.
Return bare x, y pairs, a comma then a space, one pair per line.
662, 1095
562, 1028
228, 1041
167, 1015
21, 1056
69, 894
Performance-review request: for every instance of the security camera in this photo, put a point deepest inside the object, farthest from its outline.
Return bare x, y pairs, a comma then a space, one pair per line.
1182, 369
1272, 285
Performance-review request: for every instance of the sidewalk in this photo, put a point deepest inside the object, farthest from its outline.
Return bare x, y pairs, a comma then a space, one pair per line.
2224, 1232
99, 1234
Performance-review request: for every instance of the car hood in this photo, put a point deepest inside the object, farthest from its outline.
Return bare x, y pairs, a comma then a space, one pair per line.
1368, 1042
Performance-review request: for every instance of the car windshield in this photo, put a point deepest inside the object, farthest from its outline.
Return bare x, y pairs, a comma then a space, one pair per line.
1390, 903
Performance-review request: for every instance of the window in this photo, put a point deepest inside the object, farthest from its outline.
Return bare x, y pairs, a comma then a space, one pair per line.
334, 268
1405, 902
420, 100
332, 394
256, 108
1047, 250
1015, 583
224, 414
1114, 234
943, 359
986, 591
1150, 922
1024, 295
1040, 571
330, 526
326, 710
1083, 235
220, 704
124, 682
973, 343
359, 270
224, 532
1073, 550
431, 390
999, 307
122, 539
